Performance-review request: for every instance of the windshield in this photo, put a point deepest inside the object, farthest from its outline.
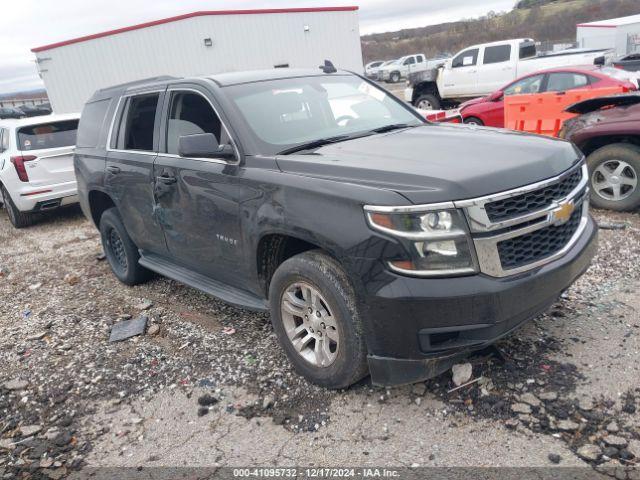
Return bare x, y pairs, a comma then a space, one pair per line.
285, 113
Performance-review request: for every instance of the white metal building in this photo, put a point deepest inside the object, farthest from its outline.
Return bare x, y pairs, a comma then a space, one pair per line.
622, 33
199, 43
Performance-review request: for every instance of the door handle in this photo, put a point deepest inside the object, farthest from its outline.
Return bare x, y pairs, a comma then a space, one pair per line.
167, 179
113, 169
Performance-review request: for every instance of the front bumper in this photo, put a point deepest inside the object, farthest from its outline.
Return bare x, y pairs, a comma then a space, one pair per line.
418, 328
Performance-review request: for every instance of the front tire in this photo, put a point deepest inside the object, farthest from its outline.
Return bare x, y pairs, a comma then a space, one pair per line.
122, 254
394, 77
314, 315
474, 121
17, 218
428, 101
614, 171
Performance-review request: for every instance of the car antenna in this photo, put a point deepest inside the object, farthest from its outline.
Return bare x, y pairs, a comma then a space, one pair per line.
328, 67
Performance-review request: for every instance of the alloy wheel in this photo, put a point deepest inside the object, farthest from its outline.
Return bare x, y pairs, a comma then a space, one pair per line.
310, 324
614, 180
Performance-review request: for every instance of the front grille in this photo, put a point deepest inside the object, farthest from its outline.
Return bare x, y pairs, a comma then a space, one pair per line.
529, 202
537, 245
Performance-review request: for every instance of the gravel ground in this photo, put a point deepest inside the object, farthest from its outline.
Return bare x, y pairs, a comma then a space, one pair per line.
207, 385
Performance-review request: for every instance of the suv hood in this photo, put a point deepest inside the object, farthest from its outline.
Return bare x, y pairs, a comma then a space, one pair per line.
438, 162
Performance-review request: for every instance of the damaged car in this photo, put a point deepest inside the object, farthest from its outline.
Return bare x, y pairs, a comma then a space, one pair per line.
607, 130
380, 243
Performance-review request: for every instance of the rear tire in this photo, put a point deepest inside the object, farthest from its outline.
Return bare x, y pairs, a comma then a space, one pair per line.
474, 121
428, 101
614, 172
122, 254
314, 315
17, 218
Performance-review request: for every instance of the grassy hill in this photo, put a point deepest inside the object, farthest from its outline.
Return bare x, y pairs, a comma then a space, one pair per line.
547, 21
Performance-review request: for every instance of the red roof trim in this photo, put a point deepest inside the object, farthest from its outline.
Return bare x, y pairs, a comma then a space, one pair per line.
191, 15
588, 25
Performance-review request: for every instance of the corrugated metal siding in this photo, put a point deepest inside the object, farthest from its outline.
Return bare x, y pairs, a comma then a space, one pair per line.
607, 37
240, 42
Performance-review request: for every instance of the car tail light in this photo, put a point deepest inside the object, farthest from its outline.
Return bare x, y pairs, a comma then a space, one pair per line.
18, 162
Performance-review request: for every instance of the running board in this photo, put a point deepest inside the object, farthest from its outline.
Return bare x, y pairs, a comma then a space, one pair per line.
226, 293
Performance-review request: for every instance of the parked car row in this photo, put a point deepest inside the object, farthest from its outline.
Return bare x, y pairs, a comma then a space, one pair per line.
481, 69
489, 110
24, 111
183, 178
392, 71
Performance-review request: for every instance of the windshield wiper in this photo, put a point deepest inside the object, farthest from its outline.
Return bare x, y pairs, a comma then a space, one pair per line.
321, 142
393, 126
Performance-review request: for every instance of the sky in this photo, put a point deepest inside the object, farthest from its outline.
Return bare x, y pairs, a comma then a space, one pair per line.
31, 23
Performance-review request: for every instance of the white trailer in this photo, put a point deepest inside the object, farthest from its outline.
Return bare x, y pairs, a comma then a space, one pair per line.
621, 34
199, 43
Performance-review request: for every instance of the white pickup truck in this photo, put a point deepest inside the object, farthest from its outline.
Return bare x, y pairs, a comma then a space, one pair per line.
394, 71
481, 69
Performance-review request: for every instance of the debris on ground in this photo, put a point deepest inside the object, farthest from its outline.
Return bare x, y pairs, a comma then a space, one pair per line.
611, 226
128, 328
144, 305
461, 373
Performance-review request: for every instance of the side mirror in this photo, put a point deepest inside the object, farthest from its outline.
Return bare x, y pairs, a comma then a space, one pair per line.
203, 145
496, 96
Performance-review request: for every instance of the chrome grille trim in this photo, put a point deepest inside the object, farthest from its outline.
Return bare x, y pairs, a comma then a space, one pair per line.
479, 220
486, 245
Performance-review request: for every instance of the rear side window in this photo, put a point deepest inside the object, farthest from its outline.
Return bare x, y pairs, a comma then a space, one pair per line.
48, 135
137, 123
527, 50
560, 82
91, 123
468, 58
497, 54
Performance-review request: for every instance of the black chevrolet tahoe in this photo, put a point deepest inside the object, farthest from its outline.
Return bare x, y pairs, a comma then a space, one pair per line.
380, 243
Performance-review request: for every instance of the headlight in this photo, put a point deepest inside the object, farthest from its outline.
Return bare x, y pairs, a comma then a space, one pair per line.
437, 240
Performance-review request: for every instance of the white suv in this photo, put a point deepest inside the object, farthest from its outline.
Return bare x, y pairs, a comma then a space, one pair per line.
36, 165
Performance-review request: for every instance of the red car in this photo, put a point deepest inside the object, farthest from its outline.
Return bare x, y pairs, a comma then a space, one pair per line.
489, 111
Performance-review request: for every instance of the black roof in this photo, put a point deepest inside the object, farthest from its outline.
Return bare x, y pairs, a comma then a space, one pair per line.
236, 78
222, 79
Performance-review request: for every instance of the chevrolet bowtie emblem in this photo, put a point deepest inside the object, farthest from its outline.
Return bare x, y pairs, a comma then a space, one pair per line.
562, 214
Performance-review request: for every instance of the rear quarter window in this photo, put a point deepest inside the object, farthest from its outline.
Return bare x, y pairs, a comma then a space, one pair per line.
91, 123
48, 135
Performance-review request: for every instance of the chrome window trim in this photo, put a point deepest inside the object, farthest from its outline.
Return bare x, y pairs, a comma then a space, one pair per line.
215, 110
479, 220
113, 121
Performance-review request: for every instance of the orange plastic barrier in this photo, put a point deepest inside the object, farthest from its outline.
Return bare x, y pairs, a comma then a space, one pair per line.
543, 113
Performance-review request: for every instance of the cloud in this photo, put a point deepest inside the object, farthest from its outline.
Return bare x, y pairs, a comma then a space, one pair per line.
30, 23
